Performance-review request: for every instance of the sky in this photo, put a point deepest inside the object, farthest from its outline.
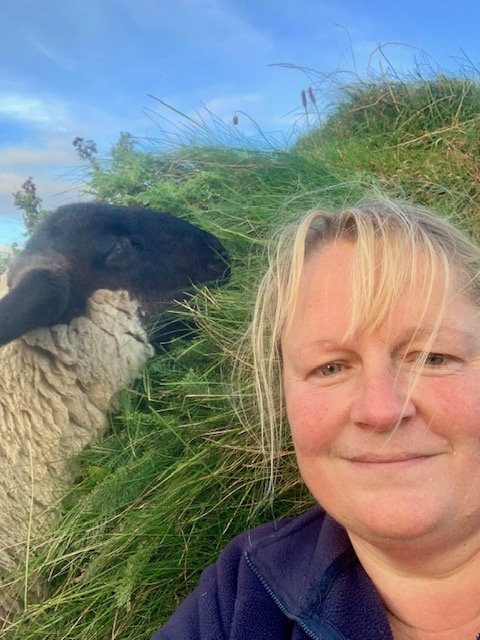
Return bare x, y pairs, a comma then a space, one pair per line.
94, 68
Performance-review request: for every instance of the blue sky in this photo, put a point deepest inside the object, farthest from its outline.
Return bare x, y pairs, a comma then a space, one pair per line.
89, 68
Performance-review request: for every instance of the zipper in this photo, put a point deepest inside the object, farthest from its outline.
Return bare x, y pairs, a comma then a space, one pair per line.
333, 635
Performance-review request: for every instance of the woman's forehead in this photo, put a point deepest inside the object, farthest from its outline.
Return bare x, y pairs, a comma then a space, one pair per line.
341, 265
328, 296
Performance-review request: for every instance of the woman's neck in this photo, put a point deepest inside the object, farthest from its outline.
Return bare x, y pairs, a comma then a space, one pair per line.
429, 596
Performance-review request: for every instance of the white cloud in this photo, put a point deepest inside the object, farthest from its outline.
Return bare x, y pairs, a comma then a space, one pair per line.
52, 190
51, 54
224, 107
34, 110
56, 171
10, 181
47, 118
32, 157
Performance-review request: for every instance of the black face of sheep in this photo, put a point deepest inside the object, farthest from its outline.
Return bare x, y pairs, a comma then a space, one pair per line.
84, 247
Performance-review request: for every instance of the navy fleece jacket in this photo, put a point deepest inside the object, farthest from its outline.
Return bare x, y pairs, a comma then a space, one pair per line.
291, 579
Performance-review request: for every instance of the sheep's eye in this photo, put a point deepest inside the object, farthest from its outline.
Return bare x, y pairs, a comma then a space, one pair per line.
120, 252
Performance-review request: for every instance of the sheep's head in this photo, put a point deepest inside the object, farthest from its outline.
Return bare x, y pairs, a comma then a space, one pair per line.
81, 248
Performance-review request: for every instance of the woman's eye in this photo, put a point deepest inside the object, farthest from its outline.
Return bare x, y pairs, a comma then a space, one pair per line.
435, 359
432, 359
330, 369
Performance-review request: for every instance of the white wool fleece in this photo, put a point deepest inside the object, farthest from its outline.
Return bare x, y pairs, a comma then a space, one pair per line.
56, 386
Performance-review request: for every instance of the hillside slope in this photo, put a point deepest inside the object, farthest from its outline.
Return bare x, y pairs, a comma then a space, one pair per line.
179, 474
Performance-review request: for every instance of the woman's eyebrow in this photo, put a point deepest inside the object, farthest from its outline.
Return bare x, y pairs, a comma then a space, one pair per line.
321, 343
469, 339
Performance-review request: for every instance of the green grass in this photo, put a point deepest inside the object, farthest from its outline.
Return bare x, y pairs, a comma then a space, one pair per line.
178, 475
420, 138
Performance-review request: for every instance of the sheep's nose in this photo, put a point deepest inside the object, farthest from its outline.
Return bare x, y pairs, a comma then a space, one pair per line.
219, 266
219, 270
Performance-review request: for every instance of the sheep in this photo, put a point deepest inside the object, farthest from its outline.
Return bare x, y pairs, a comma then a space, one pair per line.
72, 334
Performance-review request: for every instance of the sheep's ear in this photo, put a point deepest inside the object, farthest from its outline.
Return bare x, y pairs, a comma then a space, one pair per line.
38, 300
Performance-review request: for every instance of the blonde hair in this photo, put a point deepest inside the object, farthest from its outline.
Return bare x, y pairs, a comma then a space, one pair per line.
395, 244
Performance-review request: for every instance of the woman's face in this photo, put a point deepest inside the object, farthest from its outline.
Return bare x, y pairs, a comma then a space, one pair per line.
382, 465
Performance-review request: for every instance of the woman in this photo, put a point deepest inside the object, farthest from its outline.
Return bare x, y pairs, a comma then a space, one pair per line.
367, 332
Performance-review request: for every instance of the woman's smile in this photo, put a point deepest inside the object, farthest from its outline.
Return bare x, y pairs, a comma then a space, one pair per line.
389, 463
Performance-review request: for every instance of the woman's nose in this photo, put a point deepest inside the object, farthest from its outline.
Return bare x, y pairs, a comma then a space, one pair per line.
380, 402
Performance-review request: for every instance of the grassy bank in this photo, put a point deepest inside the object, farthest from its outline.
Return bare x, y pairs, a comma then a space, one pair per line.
178, 474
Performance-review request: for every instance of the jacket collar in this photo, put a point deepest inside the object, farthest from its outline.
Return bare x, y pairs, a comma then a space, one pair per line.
311, 570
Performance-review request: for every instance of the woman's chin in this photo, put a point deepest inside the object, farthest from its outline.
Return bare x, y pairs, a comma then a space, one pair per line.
400, 521
394, 513
407, 527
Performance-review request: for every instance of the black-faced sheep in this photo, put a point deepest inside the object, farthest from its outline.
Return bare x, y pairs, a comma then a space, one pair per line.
72, 330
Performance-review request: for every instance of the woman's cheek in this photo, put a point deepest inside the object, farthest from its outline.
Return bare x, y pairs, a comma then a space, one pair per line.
312, 421
450, 404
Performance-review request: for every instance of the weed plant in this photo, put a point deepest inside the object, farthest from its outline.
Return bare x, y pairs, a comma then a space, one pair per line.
178, 474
